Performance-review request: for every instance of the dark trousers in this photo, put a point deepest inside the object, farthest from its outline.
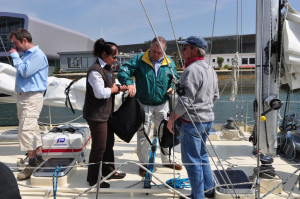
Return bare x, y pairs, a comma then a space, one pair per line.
101, 150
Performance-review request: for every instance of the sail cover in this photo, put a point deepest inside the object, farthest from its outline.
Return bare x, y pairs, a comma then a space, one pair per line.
291, 39
56, 94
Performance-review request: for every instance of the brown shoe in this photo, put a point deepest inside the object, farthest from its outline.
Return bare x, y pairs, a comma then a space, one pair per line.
26, 173
142, 172
172, 166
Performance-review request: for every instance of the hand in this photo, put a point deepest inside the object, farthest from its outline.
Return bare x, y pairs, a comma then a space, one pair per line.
123, 88
170, 125
170, 90
131, 90
12, 51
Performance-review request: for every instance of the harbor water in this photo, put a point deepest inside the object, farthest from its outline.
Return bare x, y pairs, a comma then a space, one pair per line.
241, 109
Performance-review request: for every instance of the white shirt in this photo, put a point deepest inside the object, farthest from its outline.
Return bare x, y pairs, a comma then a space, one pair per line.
96, 81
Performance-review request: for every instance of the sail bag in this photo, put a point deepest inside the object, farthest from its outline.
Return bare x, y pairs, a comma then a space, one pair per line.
127, 119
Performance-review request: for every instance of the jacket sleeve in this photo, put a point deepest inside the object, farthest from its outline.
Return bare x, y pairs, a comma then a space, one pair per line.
128, 70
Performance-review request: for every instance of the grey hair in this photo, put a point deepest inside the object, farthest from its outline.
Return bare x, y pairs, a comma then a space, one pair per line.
161, 40
201, 52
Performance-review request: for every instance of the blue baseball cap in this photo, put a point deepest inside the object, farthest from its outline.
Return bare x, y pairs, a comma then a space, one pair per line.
196, 41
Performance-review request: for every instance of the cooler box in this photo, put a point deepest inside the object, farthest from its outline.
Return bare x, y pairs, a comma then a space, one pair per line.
66, 141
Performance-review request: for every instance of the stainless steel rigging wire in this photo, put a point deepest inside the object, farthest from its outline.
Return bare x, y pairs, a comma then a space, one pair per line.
181, 61
164, 53
213, 30
193, 107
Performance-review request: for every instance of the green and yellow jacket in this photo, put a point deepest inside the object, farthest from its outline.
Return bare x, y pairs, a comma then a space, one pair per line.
151, 90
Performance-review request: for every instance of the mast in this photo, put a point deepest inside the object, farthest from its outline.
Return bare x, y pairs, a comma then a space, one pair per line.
267, 100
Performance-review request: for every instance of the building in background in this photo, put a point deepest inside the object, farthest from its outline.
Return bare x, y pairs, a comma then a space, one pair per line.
49, 37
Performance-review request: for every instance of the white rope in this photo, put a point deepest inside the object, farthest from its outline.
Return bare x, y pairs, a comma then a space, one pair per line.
61, 123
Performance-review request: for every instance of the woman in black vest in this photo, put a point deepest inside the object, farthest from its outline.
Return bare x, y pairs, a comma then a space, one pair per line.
98, 105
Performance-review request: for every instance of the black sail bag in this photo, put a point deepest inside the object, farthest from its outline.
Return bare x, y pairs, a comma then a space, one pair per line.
127, 119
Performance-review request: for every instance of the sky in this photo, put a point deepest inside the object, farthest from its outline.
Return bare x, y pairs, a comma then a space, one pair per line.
125, 22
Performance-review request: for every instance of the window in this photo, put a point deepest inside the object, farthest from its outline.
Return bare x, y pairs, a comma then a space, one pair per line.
84, 62
214, 60
228, 59
251, 60
90, 61
244, 60
74, 62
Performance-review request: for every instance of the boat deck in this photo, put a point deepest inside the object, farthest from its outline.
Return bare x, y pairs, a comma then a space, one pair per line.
232, 154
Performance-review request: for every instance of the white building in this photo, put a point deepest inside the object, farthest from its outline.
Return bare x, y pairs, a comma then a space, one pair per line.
49, 37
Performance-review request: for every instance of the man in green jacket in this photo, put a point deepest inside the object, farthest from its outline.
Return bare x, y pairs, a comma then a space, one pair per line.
153, 80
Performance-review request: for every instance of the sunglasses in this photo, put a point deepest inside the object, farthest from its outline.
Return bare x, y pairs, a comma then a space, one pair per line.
115, 57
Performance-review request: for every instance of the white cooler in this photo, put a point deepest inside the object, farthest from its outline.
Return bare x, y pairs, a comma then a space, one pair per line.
66, 141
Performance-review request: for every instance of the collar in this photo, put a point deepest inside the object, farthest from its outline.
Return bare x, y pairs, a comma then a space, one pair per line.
102, 63
188, 62
32, 49
147, 60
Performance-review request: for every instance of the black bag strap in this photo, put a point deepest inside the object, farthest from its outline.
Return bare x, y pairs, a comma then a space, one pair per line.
159, 140
67, 91
147, 137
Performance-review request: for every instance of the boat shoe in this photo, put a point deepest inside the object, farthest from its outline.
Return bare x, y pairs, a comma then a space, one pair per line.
117, 175
27, 172
173, 166
102, 185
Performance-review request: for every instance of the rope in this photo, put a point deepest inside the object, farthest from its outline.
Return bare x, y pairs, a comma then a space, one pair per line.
70, 121
179, 183
55, 180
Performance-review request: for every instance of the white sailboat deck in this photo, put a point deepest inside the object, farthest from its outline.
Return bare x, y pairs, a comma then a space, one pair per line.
234, 154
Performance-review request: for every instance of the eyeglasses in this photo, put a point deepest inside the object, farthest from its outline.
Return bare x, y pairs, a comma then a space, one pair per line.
186, 47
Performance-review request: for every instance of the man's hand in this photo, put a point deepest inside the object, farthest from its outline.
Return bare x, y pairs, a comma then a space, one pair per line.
170, 90
12, 50
170, 125
172, 118
131, 90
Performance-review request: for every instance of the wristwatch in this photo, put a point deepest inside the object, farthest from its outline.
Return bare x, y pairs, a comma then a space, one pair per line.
118, 85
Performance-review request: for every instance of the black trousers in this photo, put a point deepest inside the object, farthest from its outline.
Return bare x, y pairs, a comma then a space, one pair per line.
101, 150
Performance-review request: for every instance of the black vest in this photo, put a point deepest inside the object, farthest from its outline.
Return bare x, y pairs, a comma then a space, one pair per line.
98, 109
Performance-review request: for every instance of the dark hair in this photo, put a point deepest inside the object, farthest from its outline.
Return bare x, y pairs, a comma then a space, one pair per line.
101, 46
20, 33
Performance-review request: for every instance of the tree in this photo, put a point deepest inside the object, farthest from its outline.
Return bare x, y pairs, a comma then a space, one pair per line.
220, 61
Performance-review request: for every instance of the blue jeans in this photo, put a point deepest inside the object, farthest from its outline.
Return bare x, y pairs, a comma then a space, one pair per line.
195, 157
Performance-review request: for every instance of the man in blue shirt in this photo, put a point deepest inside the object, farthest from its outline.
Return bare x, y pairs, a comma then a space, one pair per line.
31, 82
